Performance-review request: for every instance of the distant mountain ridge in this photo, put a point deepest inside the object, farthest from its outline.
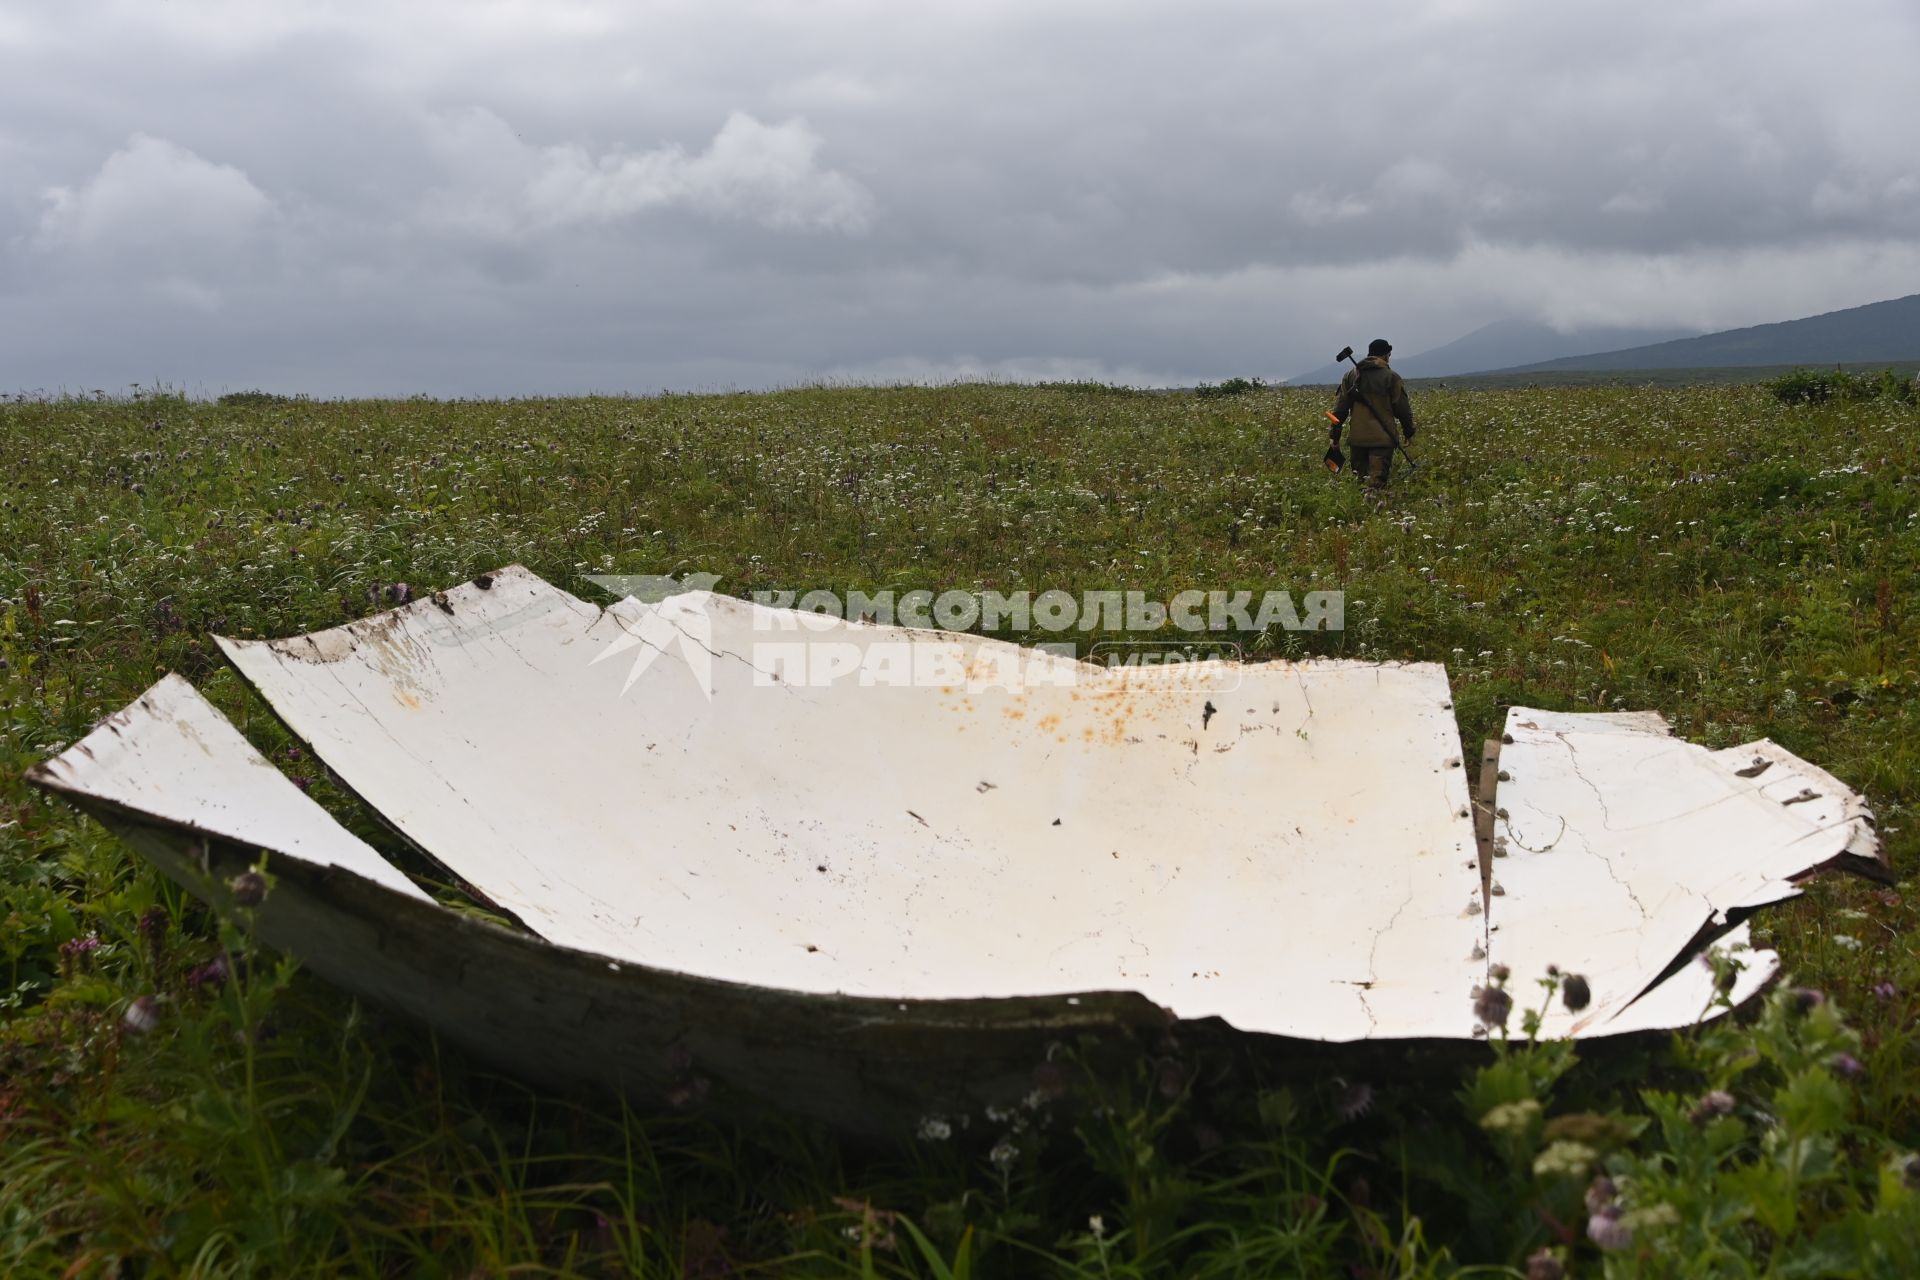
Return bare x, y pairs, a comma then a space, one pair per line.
1498, 345
1878, 331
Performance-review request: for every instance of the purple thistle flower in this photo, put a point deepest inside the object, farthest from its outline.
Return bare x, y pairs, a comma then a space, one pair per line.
1492, 1005
1846, 1066
211, 974
1575, 993
1807, 998
1713, 1104
1544, 1266
142, 1015
1601, 1193
249, 889
153, 927
1607, 1230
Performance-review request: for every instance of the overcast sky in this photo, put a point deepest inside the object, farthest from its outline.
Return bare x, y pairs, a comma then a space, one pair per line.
470, 198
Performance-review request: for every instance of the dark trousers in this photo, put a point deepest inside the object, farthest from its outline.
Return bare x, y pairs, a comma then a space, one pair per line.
1373, 463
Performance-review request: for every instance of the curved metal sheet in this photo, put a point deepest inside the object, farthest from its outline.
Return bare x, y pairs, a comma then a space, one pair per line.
902, 895
974, 834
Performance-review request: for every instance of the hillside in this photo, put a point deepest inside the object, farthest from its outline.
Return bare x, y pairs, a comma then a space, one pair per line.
1878, 332
1501, 345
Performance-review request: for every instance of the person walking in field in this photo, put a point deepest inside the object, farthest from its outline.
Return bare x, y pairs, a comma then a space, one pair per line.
1372, 398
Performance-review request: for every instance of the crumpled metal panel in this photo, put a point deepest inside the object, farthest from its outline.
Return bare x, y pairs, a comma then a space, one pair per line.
1623, 843
961, 840
904, 895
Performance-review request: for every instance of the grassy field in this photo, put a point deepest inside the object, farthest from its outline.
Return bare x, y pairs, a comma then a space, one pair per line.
174, 1103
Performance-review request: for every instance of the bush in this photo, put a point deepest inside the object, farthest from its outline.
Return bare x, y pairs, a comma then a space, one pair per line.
1231, 387
1819, 386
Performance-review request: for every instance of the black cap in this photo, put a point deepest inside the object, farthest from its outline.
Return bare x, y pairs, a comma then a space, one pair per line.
1379, 347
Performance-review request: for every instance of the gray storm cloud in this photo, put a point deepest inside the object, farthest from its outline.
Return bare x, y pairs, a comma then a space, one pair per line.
504, 198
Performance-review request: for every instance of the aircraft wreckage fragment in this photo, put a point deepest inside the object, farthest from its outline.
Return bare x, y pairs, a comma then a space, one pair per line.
742, 855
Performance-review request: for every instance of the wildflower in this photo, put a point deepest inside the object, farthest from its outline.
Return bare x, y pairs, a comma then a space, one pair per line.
1714, 1103
1886, 991
142, 1015
1564, 1159
1003, 1155
1846, 1066
1492, 1005
249, 889
1607, 1230
1499, 973
1172, 1078
1848, 941
1589, 1128
689, 1092
1354, 1101
153, 927
934, 1129
1097, 1225
1544, 1266
1051, 1081
1652, 1217
1575, 993
1511, 1117
74, 950
1600, 1193
211, 974
1806, 999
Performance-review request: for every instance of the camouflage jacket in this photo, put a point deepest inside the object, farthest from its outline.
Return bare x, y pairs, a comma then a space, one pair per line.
1365, 394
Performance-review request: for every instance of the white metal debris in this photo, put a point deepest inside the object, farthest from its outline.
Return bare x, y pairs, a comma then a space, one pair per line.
172, 756
1287, 846
1293, 853
1623, 843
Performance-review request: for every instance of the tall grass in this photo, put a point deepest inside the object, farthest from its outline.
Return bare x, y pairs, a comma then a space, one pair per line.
173, 1102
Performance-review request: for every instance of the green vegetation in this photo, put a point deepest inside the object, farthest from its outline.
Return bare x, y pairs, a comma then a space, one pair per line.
173, 1102
1231, 387
1818, 386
